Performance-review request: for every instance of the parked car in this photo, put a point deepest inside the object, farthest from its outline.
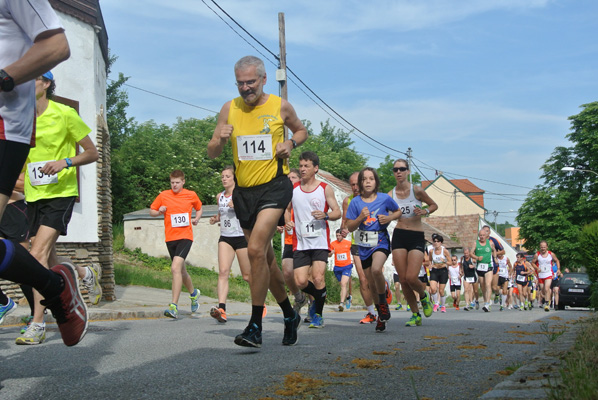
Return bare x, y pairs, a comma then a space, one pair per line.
575, 290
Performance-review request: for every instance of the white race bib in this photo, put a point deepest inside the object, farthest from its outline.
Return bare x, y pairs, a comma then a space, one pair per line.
311, 229
226, 225
456, 281
470, 279
37, 177
254, 147
482, 267
502, 270
341, 257
367, 238
179, 220
521, 278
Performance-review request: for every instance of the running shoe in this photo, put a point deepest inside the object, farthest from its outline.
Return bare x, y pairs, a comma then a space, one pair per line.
68, 308
383, 312
388, 294
251, 337
368, 319
415, 320
348, 302
501, 308
408, 308
307, 320
427, 306
477, 305
457, 307
300, 301
312, 311
516, 306
399, 307
265, 312
317, 321
546, 308
218, 314
466, 308
194, 303
443, 309
94, 289
340, 307
172, 311
435, 309
291, 325
472, 305
380, 325
27, 321
35, 334
521, 308
496, 298
486, 307
7, 309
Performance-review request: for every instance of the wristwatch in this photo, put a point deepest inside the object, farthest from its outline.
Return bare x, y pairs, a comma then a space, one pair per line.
6, 82
294, 143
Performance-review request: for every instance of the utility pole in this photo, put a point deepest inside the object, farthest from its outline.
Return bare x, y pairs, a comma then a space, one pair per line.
281, 73
495, 213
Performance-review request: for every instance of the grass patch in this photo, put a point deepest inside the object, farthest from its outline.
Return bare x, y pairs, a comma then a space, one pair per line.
551, 334
578, 372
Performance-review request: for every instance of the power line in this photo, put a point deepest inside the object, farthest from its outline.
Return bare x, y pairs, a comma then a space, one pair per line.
303, 83
169, 98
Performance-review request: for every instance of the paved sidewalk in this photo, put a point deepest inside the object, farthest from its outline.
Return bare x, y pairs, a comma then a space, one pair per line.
134, 302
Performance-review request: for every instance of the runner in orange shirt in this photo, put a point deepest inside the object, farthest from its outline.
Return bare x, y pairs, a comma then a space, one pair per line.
176, 205
343, 267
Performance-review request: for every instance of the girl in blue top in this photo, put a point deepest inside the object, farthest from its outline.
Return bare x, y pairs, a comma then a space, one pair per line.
369, 214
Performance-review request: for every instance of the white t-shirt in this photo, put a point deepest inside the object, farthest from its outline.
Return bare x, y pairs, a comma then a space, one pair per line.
545, 264
311, 233
229, 223
20, 23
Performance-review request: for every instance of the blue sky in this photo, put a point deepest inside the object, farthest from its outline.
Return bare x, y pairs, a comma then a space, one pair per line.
479, 89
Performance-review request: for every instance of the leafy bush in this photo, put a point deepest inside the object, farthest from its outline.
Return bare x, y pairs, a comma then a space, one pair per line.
587, 239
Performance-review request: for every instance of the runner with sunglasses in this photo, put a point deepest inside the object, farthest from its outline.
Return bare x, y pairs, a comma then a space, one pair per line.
408, 243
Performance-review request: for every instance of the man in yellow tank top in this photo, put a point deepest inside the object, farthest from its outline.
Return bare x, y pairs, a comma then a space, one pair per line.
254, 123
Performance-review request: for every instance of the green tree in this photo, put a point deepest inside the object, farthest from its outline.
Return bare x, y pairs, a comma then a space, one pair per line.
117, 102
387, 177
556, 210
334, 148
142, 164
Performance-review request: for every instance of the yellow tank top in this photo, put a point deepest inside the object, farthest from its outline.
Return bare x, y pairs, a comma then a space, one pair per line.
257, 131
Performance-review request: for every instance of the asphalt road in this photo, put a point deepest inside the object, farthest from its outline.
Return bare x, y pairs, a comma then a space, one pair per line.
457, 355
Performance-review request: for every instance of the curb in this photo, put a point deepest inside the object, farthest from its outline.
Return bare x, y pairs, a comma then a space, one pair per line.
532, 381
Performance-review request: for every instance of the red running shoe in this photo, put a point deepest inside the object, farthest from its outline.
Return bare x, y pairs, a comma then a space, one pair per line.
68, 308
388, 294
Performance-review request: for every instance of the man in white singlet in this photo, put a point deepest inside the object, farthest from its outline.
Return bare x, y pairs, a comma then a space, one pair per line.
543, 260
311, 203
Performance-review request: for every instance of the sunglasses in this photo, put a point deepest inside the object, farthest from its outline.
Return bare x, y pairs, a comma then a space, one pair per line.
397, 169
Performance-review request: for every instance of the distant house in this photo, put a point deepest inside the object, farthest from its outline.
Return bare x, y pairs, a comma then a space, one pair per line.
455, 197
512, 236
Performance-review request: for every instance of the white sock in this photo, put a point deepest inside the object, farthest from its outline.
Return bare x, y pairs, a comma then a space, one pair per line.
443, 301
372, 310
39, 324
504, 299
